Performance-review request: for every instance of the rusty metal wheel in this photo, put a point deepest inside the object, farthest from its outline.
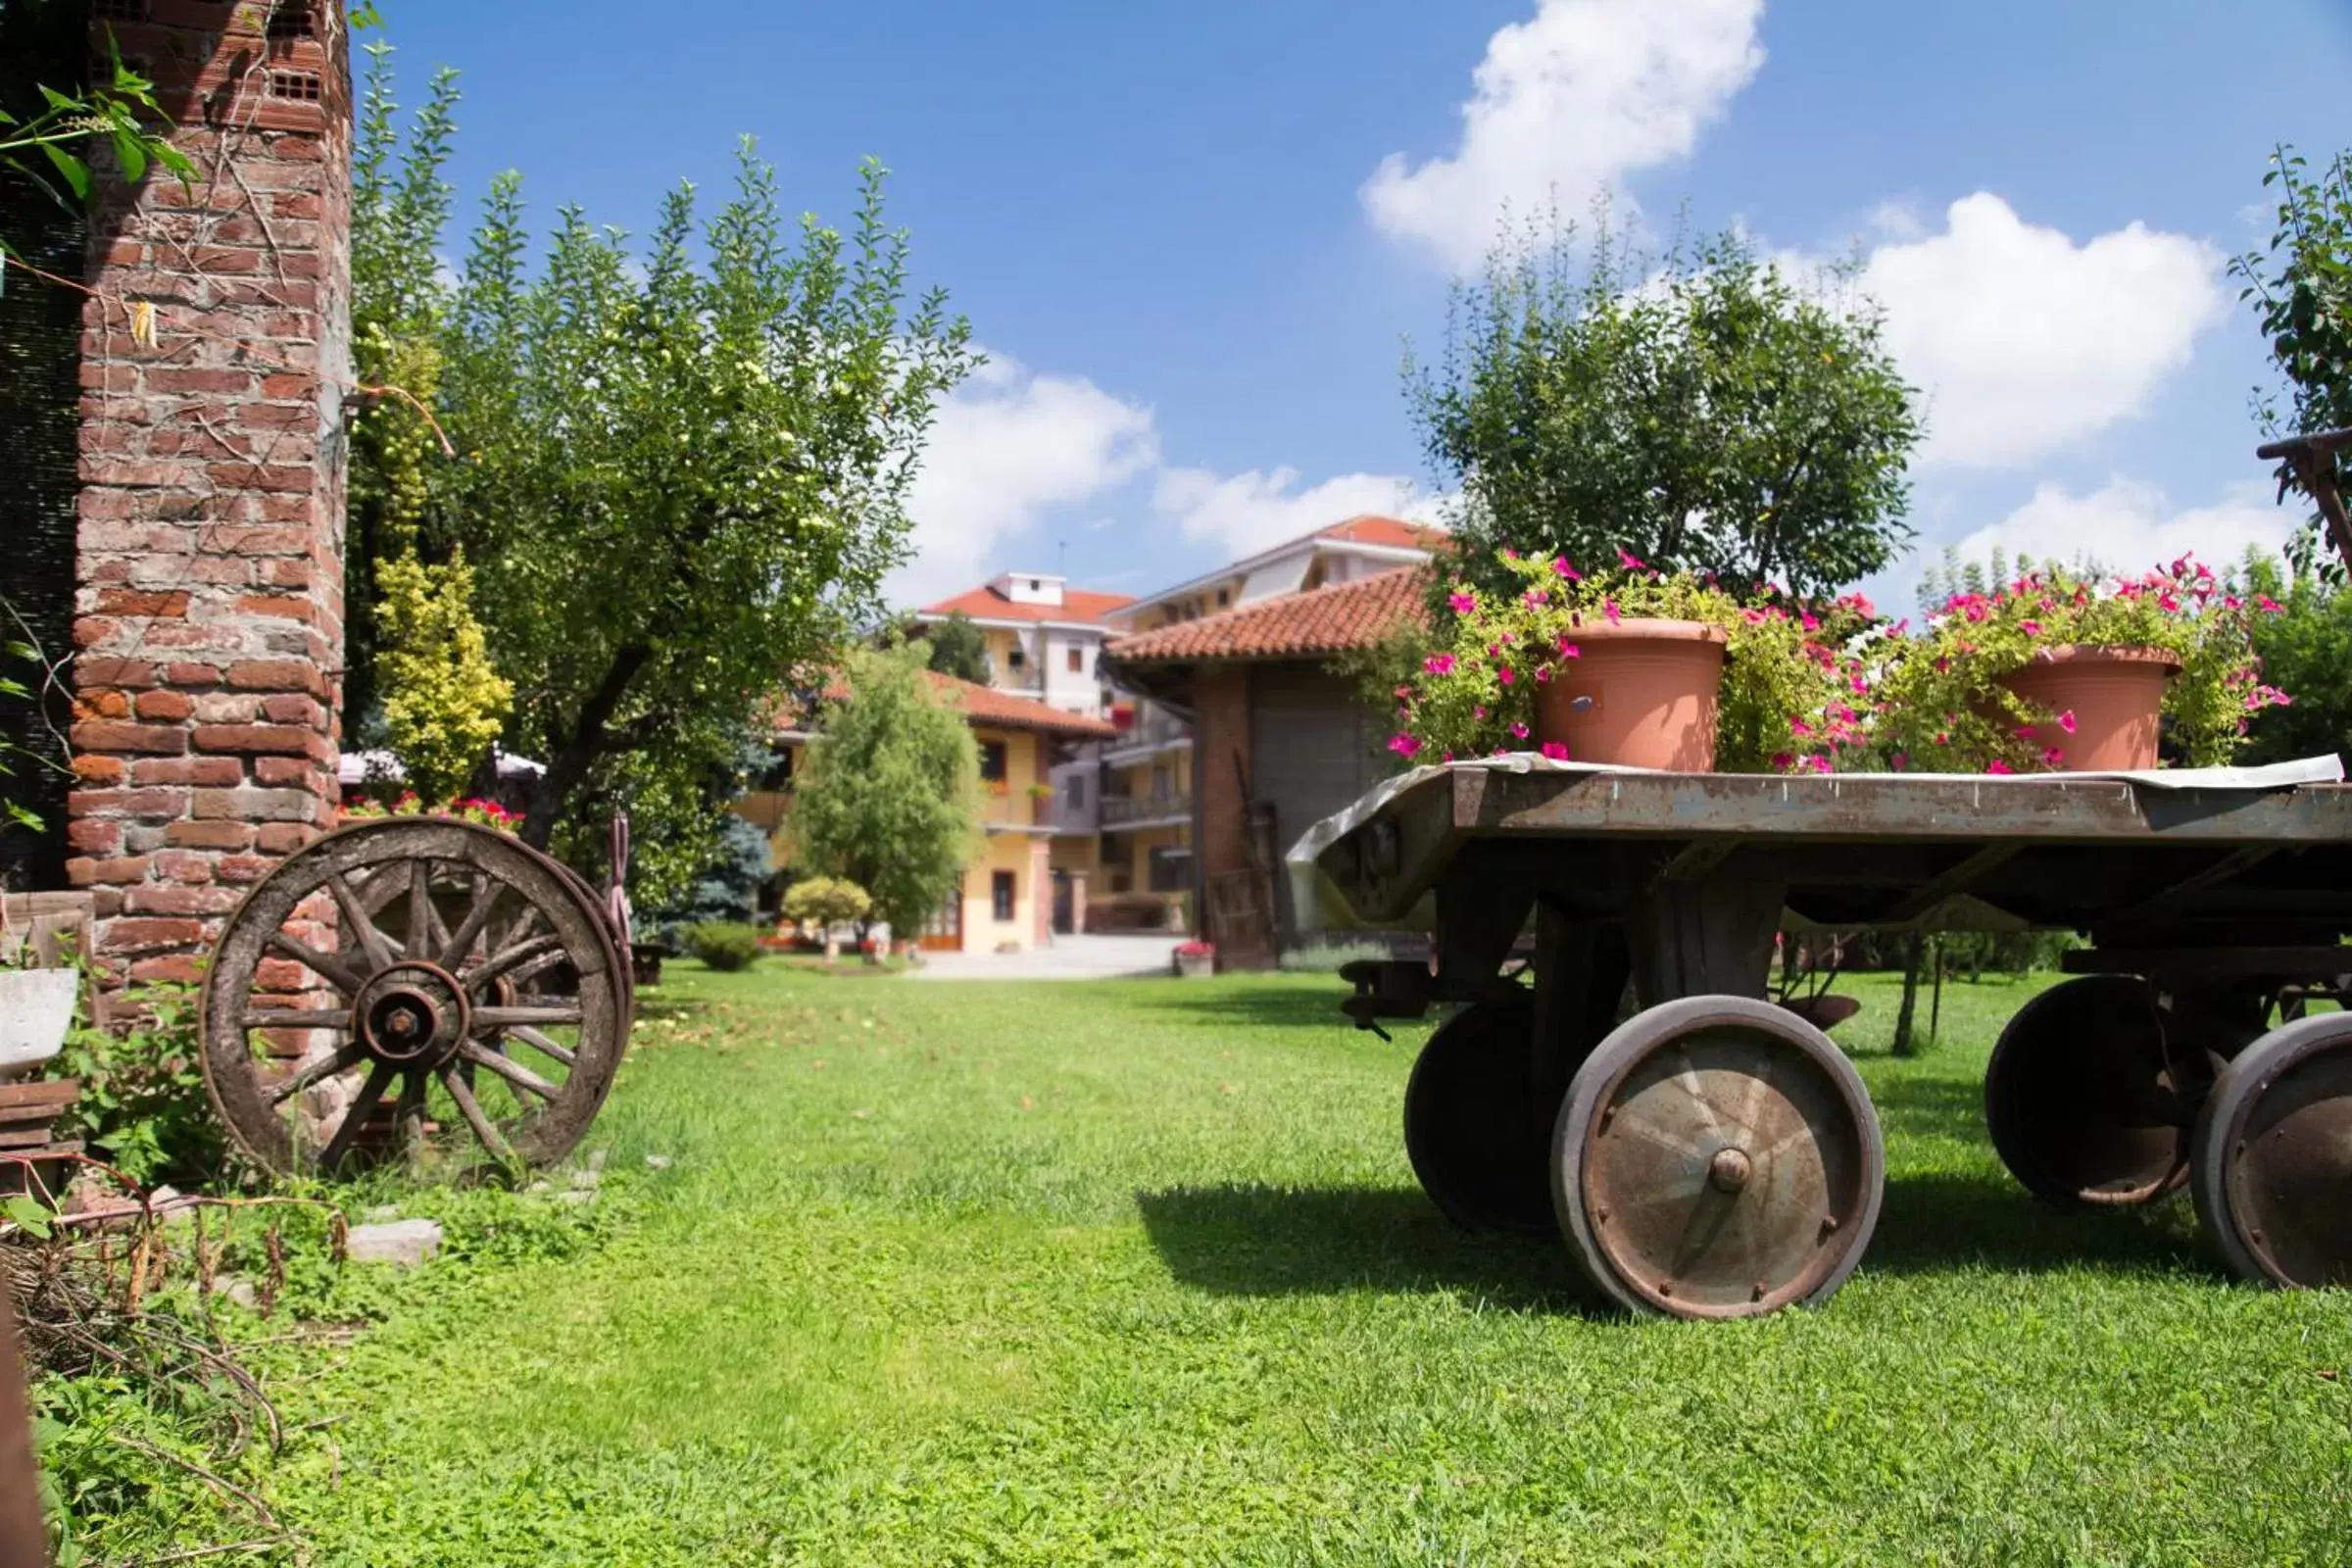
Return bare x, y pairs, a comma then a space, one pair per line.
1471, 1130
1717, 1157
2273, 1156
439, 966
2089, 1101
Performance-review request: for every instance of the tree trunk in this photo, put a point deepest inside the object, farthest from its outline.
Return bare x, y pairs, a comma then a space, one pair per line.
1904, 1018
569, 765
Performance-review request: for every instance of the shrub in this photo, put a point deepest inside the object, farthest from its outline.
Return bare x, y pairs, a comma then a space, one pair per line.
723, 945
826, 901
142, 1104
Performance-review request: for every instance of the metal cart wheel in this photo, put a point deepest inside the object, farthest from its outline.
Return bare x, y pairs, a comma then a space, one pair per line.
1474, 1137
467, 978
1717, 1157
2087, 1102
2273, 1156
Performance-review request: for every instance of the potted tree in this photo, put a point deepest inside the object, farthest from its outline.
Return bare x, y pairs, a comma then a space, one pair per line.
1638, 669
2056, 671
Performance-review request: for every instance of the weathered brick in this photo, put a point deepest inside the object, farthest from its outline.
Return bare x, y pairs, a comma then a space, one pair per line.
94, 835
211, 835
176, 969
184, 865
99, 773
293, 772
284, 838
276, 675
291, 710
127, 935
242, 867
164, 705
283, 738
157, 900
254, 806
113, 735
126, 802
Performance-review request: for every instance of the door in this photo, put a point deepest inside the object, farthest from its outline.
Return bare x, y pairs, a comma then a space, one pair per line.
944, 931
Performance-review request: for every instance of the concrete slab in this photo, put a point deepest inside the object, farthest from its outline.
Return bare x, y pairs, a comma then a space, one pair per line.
1090, 956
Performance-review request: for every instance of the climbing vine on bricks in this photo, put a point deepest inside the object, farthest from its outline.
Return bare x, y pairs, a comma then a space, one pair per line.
680, 472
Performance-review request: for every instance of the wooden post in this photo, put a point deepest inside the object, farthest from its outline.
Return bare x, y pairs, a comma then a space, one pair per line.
1903, 1018
24, 1541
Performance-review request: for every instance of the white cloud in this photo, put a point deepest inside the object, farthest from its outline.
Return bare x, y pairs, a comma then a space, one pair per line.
2127, 526
1009, 446
1242, 514
1565, 105
2025, 342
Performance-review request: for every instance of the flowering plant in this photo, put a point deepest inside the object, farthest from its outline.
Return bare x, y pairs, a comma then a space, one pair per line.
1196, 949
1947, 711
1792, 699
1041, 792
487, 814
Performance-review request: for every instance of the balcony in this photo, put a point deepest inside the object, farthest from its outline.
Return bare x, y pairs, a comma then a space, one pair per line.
1155, 733
1016, 808
1141, 810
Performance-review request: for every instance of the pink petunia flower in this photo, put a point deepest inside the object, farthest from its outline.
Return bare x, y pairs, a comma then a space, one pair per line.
1568, 650
1518, 732
1783, 760
1504, 675
1478, 712
1404, 745
1631, 562
1559, 563
1439, 664
1996, 766
1462, 604
2066, 722
2053, 757
1556, 750
2025, 732
1609, 608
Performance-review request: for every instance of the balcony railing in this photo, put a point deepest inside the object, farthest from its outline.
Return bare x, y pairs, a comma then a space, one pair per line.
1017, 809
1156, 730
1120, 810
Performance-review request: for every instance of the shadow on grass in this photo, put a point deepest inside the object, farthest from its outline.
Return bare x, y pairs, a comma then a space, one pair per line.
1254, 1006
1249, 1240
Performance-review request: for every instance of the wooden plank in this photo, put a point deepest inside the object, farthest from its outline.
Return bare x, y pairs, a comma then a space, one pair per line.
40, 1092
32, 1137
1958, 880
2206, 963
2175, 897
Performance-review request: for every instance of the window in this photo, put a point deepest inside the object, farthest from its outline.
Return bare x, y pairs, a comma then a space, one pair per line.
1077, 662
1223, 596
1167, 869
1036, 586
1016, 659
1000, 893
991, 761
1073, 792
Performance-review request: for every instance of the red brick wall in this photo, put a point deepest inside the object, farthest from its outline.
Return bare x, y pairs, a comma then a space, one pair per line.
210, 610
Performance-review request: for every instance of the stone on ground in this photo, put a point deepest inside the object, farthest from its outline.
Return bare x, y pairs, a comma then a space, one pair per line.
404, 1242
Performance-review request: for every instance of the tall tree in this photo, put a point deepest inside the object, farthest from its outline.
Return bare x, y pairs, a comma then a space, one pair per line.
890, 797
958, 649
681, 472
2300, 286
1703, 411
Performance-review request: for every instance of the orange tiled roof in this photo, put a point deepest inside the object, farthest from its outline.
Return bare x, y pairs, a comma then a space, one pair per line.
986, 604
1321, 620
1373, 529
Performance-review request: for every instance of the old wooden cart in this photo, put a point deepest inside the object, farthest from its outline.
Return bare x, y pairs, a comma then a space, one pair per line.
1715, 1155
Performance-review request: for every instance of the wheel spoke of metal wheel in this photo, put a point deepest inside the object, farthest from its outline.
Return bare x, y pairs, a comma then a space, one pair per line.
557, 1012
349, 1055
486, 894
520, 1076
336, 1019
512, 957
472, 1109
333, 971
539, 1042
373, 941
379, 1078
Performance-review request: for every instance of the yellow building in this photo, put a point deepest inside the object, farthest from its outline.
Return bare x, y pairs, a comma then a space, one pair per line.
1012, 890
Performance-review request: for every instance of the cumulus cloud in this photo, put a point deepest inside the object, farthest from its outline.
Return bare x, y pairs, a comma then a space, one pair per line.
1009, 446
2024, 341
2127, 526
1241, 514
1562, 106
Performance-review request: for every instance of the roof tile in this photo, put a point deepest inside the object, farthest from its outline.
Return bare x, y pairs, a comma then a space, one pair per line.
1321, 620
1080, 605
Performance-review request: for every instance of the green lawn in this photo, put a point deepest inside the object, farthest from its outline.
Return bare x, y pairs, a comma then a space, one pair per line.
1137, 1271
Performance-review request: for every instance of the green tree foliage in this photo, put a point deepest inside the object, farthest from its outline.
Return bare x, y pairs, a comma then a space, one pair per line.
2301, 289
725, 887
958, 649
1702, 414
48, 143
890, 795
443, 703
680, 470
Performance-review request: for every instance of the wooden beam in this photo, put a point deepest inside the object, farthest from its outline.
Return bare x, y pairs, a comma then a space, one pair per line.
1954, 881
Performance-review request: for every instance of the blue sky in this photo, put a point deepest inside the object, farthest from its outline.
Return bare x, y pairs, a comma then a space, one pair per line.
1196, 237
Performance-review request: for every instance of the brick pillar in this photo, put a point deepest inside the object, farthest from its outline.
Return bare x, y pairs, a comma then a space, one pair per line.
208, 608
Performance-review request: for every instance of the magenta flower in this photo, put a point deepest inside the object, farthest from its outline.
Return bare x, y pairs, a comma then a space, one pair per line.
1556, 750
1783, 762
1568, 650
1404, 694
1809, 621
2066, 722
1542, 673
2053, 757
1462, 604
1996, 766
1818, 763
1518, 732
2266, 604
1504, 675
1478, 712
1404, 745
1609, 608
1535, 598
1439, 664
2032, 628
1797, 726
2025, 732
1631, 562
1559, 563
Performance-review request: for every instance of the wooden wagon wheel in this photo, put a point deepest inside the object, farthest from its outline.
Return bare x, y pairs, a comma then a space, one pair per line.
1468, 1131
409, 960
2087, 1099
1717, 1157
2273, 1156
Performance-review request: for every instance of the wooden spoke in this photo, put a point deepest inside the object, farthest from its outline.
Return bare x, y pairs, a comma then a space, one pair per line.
408, 1114
488, 1018
476, 922
349, 1055
472, 1109
295, 1019
371, 941
523, 973
326, 966
539, 1042
520, 1076
420, 907
379, 1078
507, 959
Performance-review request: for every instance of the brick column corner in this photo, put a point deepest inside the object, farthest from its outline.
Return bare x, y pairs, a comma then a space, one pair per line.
209, 607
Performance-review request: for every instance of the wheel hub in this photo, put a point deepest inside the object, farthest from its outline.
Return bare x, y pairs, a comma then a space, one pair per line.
1730, 1169
412, 1014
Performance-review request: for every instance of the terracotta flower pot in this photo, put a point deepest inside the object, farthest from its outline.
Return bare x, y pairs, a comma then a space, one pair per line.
2116, 696
1638, 693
